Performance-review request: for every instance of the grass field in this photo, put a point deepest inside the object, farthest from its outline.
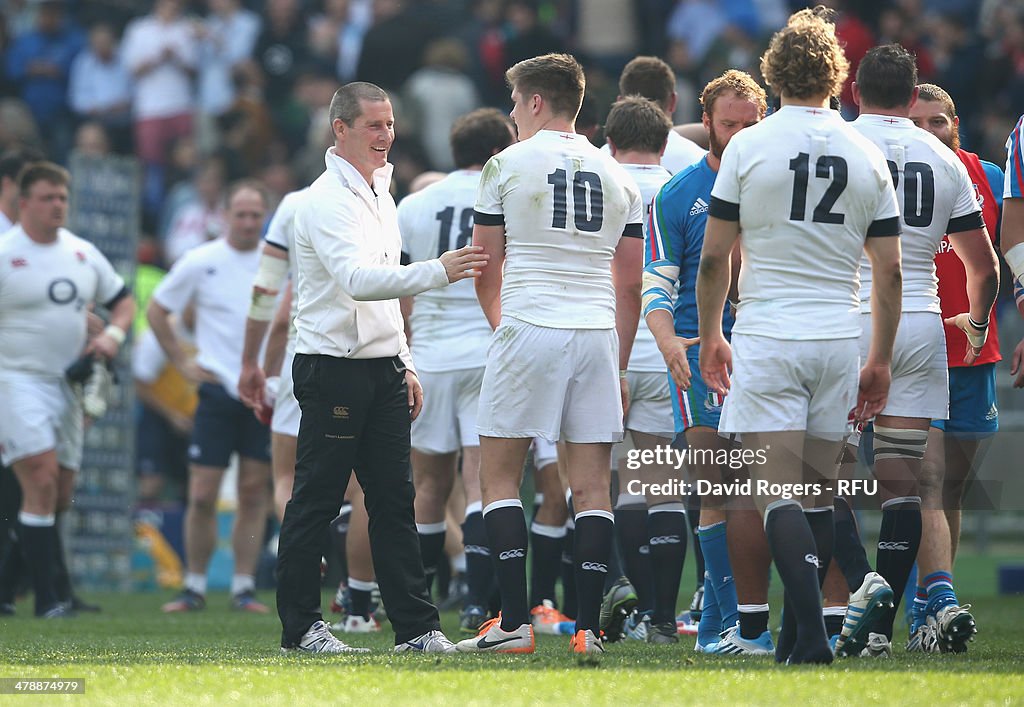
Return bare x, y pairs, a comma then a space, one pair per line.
133, 655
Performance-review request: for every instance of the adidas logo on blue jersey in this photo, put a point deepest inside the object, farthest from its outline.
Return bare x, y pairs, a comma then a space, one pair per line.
699, 207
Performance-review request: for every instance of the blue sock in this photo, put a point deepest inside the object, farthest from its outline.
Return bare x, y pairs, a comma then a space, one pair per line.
920, 609
909, 594
710, 619
939, 586
716, 560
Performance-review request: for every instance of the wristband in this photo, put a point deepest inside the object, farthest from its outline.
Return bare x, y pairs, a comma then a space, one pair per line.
116, 333
980, 326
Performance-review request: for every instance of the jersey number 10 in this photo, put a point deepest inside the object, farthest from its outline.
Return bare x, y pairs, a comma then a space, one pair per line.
587, 200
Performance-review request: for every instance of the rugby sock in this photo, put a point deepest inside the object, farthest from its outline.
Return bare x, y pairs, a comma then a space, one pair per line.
666, 524
12, 565
631, 530
793, 547
569, 571
61, 577
719, 570
360, 593
693, 512
753, 620
834, 616
507, 538
615, 569
38, 540
787, 632
920, 608
545, 561
939, 589
710, 624
595, 533
242, 583
820, 522
849, 550
479, 570
431, 549
196, 582
898, 542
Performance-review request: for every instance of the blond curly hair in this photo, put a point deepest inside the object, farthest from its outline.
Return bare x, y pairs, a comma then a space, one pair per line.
734, 81
804, 59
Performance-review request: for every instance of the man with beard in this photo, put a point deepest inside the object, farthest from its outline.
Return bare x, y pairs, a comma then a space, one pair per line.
679, 213
956, 444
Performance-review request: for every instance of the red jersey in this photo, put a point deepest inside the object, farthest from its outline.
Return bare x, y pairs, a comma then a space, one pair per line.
953, 277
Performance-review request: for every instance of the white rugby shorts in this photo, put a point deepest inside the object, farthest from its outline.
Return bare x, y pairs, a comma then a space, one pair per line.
447, 421
545, 453
41, 414
781, 385
920, 377
551, 383
286, 416
650, 404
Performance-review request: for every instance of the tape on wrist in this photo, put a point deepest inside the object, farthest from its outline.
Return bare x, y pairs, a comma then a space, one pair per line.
116, 333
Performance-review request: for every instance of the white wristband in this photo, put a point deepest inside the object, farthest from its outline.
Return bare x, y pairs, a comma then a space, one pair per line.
116, 333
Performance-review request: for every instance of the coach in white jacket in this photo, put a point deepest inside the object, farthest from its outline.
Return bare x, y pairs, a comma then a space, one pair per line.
354, 378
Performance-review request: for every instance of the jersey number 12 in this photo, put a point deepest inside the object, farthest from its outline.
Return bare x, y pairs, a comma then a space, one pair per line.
827, 166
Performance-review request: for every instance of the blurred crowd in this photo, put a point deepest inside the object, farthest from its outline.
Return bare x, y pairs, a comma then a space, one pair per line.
208, 91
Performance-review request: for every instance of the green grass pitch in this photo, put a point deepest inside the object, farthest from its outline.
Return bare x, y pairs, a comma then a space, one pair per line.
134, 655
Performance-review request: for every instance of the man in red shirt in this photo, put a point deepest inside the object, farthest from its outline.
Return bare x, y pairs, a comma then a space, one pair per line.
957, 445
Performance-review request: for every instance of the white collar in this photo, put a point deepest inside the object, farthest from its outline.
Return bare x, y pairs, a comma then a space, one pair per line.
351, 177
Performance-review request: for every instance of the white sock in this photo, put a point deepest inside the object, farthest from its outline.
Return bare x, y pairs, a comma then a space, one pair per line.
195, 582
242, 583
459, 563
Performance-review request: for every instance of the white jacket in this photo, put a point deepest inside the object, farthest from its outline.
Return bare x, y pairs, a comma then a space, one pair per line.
348, 267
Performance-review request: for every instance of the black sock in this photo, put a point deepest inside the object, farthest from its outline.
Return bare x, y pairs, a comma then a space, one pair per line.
793, 548
61, 577
787, 631
545, 561
360, 596
595, 534
666, 525
569, 604
615, 569
693, 515
479, 569
823, 531
898, 542
339, 540
12, 567
431, 550
849, 550
37, 548
631, 531
507, 538
752, 623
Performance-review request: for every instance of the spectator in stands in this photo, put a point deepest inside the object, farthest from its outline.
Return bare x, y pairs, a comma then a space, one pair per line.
92, 140
435, 96
336, 37
527, 36
226, 39
160, 51
201, 218
282, 49
100, 85
484, 37
39, 62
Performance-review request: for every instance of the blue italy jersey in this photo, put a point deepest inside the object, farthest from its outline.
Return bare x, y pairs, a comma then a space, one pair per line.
1013, 185
674, 239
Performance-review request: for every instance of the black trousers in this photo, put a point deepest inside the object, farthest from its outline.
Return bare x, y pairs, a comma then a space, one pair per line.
355, 417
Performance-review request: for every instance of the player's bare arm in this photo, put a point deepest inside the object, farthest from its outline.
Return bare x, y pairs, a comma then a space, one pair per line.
627, 277
713, 280
491, 239
160, 322
886, 306
974, 248
273, 270
110, 339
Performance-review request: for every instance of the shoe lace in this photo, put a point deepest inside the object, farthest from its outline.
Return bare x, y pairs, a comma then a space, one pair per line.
486, 625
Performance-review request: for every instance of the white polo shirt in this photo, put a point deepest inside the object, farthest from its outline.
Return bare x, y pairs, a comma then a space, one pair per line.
348, 271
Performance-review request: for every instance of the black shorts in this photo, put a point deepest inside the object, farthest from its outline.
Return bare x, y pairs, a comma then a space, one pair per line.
224, 425
159, 449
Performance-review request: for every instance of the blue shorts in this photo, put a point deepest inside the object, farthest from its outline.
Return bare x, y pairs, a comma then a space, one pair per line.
224, 425
159, 449
697, 407
973, 413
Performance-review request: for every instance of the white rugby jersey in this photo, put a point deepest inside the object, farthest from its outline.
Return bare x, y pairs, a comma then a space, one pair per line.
217, 280
936, 196
645, 356
564, 205
449, 329
807, 189
680, 153
44, 291
281, 233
